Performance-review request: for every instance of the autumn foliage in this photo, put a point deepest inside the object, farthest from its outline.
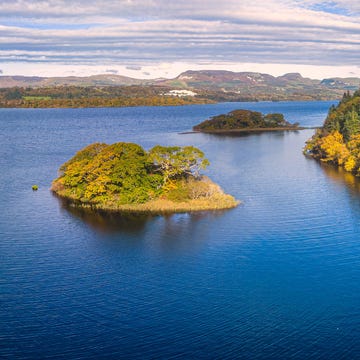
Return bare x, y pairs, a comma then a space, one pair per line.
125, 176
338, 141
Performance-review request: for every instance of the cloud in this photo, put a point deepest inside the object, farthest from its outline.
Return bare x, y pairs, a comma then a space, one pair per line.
305, 32
160, 9
133, 67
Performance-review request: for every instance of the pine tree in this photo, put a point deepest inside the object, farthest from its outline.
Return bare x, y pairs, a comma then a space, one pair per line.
351, 124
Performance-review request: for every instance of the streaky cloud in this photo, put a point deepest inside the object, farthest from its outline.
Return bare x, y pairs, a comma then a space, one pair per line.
308, 32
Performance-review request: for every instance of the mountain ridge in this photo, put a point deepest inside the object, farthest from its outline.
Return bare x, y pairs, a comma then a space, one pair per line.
220, 85
216, 76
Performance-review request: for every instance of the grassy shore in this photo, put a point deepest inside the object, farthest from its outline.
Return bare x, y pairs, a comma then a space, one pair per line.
212, 199
164, 206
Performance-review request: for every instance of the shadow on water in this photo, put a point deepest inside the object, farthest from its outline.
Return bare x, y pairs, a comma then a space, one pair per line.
339, 175
169, 227
107, 222
244, 134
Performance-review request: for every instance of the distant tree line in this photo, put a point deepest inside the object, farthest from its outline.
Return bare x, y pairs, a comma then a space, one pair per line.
137, 95
78, 96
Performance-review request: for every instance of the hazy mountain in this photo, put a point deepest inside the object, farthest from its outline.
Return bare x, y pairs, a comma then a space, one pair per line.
264, 86
95, 80
351, 84
229, 80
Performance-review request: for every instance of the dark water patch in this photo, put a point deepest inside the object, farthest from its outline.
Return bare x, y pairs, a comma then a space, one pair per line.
107, 222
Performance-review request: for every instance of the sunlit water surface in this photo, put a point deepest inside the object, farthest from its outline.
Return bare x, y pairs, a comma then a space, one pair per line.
277, 277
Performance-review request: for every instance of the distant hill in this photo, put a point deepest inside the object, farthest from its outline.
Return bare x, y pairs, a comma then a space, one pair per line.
264, 85
94, 80
351, 84
216, 85
229, 80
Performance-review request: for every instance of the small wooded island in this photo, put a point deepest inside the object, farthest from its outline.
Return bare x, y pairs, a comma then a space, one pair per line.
338, 141
123, 177
245, 120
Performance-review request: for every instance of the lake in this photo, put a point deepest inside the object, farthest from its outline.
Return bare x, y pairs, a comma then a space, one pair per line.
275, 278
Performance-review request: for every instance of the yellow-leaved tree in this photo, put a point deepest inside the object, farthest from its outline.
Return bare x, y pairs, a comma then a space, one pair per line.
334, 149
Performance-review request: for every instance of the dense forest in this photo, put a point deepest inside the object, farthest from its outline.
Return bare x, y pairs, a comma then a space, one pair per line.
338, 141
244, 119
123, 176
81, 96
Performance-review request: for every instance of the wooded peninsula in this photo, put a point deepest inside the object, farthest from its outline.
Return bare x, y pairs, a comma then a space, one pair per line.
123, 177
338, 141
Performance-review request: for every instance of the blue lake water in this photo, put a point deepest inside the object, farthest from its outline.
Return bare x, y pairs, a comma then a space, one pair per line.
276, 278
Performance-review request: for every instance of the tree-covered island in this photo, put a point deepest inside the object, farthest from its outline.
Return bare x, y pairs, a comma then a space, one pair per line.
245, 120
123, 177
338, 141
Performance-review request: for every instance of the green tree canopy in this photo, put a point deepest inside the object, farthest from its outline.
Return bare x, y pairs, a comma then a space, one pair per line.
338, 140
125, 172
243, 119
351, 124
175, 161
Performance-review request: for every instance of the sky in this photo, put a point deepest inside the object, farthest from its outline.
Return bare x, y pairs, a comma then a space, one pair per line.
161, 38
